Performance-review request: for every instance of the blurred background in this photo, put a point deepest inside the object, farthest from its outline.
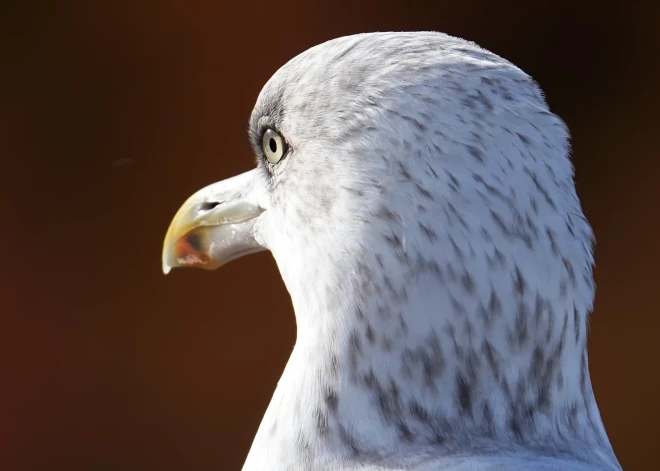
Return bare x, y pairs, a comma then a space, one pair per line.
112, 113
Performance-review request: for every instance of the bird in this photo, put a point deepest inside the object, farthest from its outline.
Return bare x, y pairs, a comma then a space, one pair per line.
418, 197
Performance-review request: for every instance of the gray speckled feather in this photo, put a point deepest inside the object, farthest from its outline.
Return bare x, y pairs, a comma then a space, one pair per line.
427, 227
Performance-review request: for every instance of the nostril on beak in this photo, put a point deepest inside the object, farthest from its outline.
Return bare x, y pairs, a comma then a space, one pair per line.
209, 205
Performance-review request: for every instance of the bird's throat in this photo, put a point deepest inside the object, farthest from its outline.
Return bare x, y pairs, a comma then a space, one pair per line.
366, 379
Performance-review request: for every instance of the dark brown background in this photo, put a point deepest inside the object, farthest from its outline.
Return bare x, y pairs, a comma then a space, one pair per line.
111, 114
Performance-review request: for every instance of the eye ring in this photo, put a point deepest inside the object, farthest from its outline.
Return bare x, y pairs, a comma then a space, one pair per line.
273, 146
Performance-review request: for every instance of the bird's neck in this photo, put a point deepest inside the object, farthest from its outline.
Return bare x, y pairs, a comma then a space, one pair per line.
412, 368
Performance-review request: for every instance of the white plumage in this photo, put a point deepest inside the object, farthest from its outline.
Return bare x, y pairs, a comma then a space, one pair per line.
424, 219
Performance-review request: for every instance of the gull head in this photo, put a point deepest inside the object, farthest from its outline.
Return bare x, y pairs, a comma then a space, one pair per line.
417, 195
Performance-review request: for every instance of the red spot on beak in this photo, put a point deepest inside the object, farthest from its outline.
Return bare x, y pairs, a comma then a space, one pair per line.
188, 250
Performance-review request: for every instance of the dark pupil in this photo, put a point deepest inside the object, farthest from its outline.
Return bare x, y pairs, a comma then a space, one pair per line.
273, 145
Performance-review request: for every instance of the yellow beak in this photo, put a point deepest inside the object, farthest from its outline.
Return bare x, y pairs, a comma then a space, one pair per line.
214, 226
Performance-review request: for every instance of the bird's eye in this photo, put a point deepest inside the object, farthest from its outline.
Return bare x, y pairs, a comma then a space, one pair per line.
273, 146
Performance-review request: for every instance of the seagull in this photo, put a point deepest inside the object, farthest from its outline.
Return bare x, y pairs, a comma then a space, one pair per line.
418, 197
